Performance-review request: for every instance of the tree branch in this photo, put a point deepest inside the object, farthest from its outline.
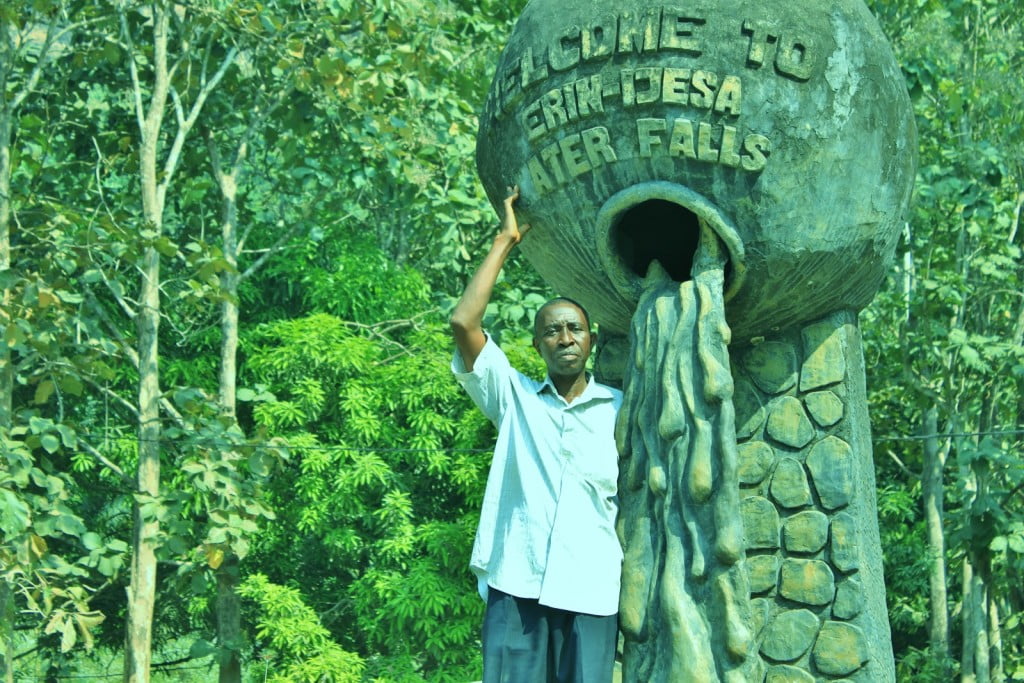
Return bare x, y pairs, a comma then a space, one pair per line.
88, 448
288, 234
46, 53
185, 123
899, 463
133, 71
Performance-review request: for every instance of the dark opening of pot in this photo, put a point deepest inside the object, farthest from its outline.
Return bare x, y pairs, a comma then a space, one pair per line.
657, 230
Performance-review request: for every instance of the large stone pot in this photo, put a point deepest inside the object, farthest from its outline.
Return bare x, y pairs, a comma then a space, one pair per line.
786, 126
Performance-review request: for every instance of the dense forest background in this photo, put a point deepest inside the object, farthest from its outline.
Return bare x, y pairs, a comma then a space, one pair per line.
230, 445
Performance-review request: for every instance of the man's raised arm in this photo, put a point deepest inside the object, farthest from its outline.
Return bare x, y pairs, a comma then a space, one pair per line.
468, 316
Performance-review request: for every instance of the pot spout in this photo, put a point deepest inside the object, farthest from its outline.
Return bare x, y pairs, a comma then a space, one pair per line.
659, 222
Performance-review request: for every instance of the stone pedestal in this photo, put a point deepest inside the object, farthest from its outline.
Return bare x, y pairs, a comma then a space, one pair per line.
808, 505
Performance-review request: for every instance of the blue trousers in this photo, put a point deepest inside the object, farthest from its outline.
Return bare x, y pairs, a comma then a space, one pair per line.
526, 642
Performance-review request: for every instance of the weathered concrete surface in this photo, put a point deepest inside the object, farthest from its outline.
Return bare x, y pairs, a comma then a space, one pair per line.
810, 531
645, 132
786, 125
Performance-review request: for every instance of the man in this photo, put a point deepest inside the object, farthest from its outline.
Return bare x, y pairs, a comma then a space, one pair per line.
546, 555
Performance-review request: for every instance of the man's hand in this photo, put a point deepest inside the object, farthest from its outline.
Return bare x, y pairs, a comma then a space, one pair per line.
467, 318
510, 227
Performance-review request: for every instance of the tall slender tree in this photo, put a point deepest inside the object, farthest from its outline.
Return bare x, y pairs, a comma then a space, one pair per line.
164, 81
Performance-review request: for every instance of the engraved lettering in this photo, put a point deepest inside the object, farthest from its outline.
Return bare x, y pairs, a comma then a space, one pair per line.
638, 32
759, 39
648, 133
598, 145
705, 152
550, 156
678, 33
681, 142
729, 96
532, 73
675, 87
729, 156
795, 57
564, 53
757, 148
533, 122
553, 107
569, 97
628, 90
598, 39
573, 155
709, 95
588, 95
511, 92
704, 83
541, 180
651, 75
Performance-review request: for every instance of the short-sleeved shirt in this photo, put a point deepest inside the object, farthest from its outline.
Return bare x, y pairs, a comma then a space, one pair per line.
547, 525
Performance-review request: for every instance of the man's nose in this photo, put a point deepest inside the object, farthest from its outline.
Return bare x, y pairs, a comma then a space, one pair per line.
565, 337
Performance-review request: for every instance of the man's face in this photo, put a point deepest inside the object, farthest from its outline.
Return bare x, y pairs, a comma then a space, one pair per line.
562, 338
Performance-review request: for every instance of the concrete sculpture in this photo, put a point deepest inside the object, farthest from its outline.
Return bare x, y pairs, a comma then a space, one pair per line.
722, 184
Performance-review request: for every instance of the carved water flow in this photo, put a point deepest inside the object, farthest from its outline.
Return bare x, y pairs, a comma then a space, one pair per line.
676, 432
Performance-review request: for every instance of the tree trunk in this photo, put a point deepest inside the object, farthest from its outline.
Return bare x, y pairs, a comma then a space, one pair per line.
995, 641
142, 590
982, 661
7, 630
229, 621
6, 370
967, 617
229, 612
975, 662
932, 492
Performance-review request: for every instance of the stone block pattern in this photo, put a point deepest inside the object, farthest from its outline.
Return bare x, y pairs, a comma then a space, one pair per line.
796, 471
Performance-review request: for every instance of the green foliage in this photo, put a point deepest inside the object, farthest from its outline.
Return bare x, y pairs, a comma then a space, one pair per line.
947, 331
906, 565
389, 460
302, 650
47, 553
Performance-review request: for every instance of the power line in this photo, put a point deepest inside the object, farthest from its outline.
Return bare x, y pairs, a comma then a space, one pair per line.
83, 677
371, 449
949, 435
290, 446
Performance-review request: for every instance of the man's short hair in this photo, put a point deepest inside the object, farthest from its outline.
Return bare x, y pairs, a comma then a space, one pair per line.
557, 300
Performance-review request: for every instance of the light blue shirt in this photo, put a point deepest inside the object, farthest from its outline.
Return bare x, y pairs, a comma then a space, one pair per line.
547, 525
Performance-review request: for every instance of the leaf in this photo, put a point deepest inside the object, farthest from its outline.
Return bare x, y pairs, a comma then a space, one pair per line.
44, 390
259, 464
50, 442
72, 385
47, 298
92, 541
214, 555
86, 622
67, 436
14, 514
1016, 543
68, 635
38, 546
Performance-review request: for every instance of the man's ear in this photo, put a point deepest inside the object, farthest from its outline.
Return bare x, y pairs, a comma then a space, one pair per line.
535, 344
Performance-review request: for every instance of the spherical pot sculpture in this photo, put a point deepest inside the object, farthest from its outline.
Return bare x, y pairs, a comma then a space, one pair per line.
785, 126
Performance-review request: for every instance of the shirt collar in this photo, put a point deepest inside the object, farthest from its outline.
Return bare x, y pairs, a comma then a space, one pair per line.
594, 390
